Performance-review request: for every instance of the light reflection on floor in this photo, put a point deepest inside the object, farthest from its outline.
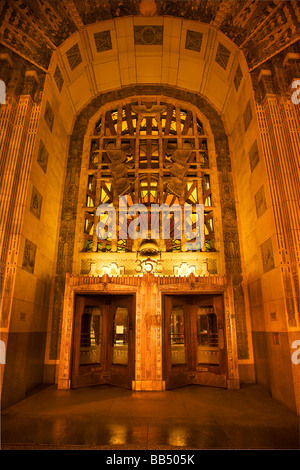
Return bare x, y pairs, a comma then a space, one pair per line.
118, 434
188, 418
178, 436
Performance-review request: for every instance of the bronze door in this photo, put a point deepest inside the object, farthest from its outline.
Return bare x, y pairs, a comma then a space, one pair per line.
194, 345
103, 346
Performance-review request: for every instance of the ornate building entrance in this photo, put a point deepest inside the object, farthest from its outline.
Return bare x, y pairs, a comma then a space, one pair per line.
148, 311
176, 337
194, 105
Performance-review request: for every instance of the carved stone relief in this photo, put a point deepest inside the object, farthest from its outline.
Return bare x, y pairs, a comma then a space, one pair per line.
74, 57
247, 116
267, 255
58, 78
36, 203
149, 35
254, 155
260, 202
49, 116
258, 39
29, 256
193, 41
42, 157
103, 41
222, 56
238, 77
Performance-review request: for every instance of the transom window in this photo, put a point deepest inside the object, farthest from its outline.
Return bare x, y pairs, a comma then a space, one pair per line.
153, 151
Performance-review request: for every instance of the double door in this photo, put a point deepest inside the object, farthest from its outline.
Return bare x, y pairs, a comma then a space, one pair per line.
103, 347
194, 346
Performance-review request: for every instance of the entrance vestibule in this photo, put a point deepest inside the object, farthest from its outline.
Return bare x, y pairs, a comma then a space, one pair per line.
148, 332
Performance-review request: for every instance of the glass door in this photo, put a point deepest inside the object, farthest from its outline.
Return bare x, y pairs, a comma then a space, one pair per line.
194, 347
103, 346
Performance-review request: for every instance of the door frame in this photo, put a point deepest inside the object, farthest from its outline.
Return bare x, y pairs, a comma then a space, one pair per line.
149, 290
87, 285
192, 372
93, 373
211, 285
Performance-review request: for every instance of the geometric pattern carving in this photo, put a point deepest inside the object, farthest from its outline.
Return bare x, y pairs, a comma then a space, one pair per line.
29, 256
36, 203
148, 35
238, 77
74, 57
267, 255
222, 56
193, 41
42, 157
247, 116
49, 116
212, 266
58, 78
103, 41
260, 202
254, 155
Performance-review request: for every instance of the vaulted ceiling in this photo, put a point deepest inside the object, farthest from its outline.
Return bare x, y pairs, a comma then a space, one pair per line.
35, 28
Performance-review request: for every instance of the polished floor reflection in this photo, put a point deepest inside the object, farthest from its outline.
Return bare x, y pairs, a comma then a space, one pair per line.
106, 417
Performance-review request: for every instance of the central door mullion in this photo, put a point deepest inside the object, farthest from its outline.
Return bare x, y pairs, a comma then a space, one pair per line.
192, 330
106, 336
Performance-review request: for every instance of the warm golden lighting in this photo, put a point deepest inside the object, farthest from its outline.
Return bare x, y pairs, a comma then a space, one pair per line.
178, 436
118, 434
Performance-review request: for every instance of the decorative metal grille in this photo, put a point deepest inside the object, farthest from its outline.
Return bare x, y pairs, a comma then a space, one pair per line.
153, 151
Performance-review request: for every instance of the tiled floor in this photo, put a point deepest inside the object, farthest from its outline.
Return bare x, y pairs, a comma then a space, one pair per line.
112, 418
